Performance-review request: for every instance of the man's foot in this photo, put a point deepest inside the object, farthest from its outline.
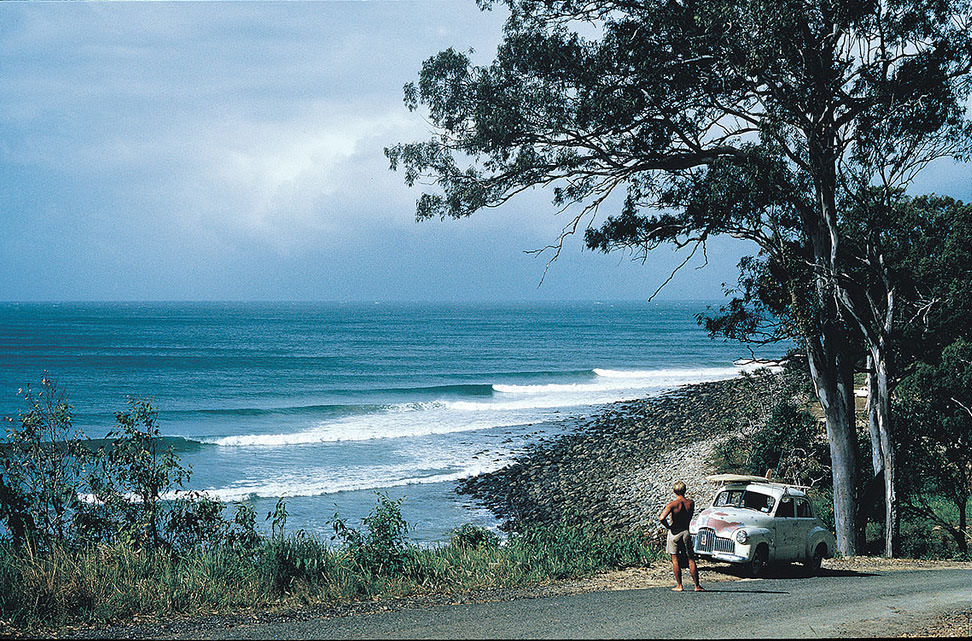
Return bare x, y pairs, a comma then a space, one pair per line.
677, 588
699, 588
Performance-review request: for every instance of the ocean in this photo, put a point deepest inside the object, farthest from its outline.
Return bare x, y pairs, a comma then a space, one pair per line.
328, 403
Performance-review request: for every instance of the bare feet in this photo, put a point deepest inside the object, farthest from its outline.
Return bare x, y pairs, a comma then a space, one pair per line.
677, 588
699, 588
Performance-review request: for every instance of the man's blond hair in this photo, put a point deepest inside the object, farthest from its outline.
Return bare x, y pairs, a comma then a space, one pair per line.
679, 488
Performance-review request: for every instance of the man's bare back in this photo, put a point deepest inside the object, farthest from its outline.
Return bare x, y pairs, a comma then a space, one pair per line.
680, 510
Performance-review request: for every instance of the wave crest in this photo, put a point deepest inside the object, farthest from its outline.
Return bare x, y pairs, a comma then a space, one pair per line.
508, 405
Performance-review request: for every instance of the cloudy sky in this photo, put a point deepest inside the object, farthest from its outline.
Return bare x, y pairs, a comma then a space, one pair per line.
227, 151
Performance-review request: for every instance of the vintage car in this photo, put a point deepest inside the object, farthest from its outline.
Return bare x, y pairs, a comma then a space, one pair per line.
754, 521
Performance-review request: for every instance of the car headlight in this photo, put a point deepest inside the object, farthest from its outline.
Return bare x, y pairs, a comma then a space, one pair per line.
742, 536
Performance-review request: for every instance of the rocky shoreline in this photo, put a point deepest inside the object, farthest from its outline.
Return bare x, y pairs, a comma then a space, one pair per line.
617, 468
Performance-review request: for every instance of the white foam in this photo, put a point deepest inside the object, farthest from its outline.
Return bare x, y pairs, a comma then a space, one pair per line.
396, 422
675, 376
510, 405
284, 487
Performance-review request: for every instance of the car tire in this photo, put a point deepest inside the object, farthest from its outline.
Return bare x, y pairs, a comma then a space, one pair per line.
812, 564
757, 565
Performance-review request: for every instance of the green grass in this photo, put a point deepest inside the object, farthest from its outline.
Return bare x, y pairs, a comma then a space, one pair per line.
102, 584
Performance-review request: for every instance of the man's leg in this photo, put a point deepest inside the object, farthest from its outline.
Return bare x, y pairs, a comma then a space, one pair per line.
694, 571
677, 571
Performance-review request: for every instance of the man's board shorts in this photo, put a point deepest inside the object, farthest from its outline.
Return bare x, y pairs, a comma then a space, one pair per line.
680, 543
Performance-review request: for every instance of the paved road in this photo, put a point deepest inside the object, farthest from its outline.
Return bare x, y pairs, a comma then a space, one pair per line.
842, 604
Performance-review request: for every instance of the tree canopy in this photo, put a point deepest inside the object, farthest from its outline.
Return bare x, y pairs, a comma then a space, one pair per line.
764, 120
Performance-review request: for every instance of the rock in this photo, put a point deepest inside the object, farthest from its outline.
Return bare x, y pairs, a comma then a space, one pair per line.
617, 468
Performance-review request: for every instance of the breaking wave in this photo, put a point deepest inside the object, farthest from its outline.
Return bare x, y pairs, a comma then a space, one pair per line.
496, 405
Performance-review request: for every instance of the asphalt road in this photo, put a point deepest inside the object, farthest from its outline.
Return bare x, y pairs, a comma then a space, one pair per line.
840, 604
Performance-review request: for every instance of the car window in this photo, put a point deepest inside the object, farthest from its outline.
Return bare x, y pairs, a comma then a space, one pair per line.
803, 509
786, 507
758, 501
745, 498
728, 498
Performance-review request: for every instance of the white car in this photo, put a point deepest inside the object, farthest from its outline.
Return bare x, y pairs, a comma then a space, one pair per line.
754, 522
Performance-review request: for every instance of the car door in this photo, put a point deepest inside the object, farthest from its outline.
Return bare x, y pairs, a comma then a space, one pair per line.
802, 525
786, 529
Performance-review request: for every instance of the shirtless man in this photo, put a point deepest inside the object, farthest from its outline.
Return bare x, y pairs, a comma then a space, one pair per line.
679, 541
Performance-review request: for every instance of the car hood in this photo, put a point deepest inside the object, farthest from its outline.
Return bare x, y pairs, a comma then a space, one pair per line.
726, 520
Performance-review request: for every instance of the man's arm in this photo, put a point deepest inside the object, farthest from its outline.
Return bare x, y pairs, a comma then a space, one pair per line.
664, 516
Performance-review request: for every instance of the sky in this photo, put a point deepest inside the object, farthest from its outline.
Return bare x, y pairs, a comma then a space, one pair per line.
234, 151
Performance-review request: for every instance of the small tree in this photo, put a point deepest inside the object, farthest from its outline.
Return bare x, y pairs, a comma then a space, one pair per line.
42, 472
134, 474
382, 549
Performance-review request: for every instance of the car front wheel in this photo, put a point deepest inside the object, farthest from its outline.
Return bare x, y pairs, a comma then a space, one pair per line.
757, 565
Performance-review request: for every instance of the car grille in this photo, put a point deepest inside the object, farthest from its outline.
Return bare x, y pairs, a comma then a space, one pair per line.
707, 542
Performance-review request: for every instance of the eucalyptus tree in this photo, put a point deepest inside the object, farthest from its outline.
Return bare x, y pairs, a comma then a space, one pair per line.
789, 107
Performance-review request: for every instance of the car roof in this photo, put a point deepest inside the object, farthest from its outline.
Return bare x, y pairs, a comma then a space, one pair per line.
768, 487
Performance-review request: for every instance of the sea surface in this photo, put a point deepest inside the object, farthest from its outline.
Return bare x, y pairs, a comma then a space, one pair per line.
327, 403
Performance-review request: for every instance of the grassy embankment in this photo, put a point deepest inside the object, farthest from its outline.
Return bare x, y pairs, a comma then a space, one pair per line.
104, 584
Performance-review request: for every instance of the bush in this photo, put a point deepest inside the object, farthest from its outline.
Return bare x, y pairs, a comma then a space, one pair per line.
195, 520
470, 536
572, 548
381, 549
297, 559
132, 477
241, 534
790, 442
41, 469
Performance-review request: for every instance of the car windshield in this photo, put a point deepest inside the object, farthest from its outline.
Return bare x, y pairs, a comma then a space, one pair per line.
749, 499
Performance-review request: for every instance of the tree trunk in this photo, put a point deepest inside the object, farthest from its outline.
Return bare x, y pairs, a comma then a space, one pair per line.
877, 461
834, 383
883, 415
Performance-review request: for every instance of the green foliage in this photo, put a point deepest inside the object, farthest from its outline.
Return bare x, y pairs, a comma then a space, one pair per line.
932, 537
41, 469
631, 104
132, 477
195, 520
572, 548
284, 561
107, 583
381, 549
242, 534
142, 545
782, 436
278, 518
934, 430
470, 536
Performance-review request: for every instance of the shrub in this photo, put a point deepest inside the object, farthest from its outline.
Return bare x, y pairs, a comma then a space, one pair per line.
468, 535
195, 520
41, 468
790, 442
132, 477
242, 534
286, 561
382, 548
572, 547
